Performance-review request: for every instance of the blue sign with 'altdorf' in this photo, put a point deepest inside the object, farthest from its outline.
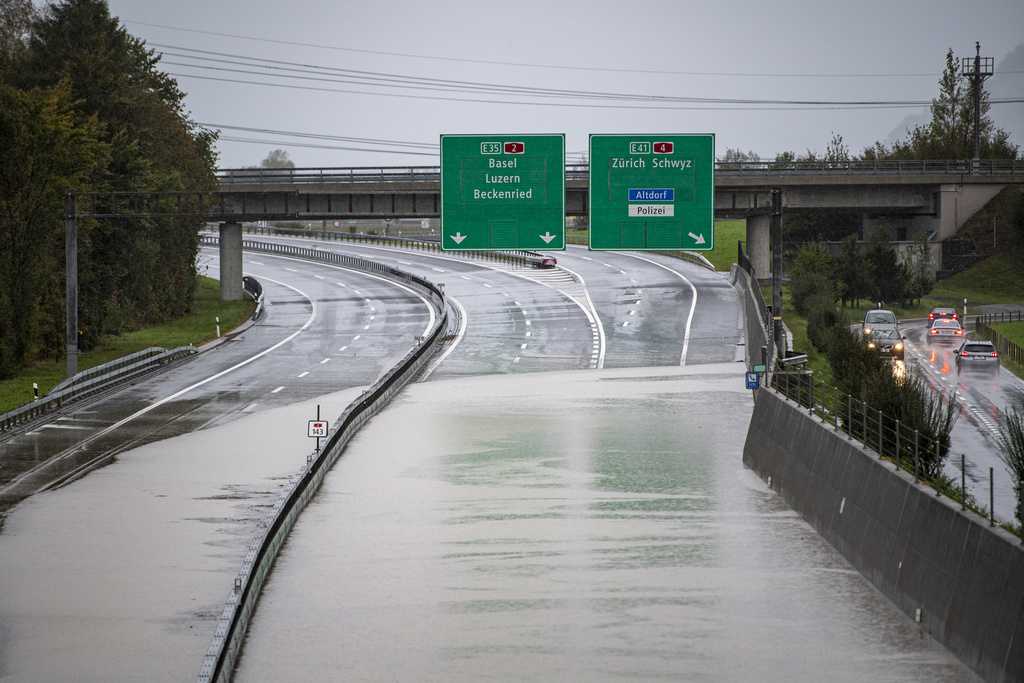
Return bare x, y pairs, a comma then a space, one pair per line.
664, 195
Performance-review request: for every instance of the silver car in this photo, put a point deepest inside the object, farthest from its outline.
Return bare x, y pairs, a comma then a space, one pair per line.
879, 319
977, 355
946, 331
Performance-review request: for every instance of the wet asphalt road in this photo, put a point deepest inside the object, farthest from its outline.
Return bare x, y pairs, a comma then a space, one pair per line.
140, 592
984, 397
324, 330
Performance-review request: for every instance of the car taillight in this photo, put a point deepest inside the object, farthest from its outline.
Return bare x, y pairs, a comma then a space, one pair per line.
958, 331
954, 317
994, 354
933, 331
931, 316
964, 353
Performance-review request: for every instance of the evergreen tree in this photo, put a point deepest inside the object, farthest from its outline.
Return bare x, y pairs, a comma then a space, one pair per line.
950, 134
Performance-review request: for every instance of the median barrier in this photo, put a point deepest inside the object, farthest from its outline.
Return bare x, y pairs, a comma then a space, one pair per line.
219, 662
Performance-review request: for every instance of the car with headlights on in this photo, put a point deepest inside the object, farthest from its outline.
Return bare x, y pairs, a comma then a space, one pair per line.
888, 343
977, 355
945, 331
878, 319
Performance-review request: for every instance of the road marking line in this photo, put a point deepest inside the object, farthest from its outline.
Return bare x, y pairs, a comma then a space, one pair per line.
277, 390
303, 374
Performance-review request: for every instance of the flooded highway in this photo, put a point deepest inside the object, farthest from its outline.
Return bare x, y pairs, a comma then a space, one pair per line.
519, 515
593, 526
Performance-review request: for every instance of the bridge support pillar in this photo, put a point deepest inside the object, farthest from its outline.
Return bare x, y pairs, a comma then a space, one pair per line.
230, 261
758, 229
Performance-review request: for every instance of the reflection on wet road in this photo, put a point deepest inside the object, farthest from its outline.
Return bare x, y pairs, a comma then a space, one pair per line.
983, 397
582, 526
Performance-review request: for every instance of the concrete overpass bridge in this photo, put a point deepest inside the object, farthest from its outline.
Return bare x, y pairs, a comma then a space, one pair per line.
913, 198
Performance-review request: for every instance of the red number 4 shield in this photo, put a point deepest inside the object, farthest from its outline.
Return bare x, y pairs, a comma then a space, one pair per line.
663, 147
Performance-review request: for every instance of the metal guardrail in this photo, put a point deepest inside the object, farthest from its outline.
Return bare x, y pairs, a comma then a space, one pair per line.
757, 298
531, 259
253, 288
691, 256
432, 174
93, 380
227, 643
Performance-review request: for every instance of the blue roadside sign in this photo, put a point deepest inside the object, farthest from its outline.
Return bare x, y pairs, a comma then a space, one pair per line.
752, 380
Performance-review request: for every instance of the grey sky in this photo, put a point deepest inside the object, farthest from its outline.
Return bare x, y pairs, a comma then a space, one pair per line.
792, 50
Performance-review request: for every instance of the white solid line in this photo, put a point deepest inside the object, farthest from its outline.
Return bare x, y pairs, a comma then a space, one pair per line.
693, 308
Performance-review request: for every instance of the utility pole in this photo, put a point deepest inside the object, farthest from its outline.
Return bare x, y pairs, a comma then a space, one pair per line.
71, 280
978, 70
776, 237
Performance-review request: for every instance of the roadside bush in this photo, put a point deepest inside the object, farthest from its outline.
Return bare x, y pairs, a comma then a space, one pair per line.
864, 375
808, 289
1011, 438
824, 322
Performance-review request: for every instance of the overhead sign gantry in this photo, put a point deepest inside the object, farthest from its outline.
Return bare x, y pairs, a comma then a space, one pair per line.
502, 192
652, 192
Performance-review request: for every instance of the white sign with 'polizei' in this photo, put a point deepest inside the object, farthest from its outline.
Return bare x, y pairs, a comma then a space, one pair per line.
646, 210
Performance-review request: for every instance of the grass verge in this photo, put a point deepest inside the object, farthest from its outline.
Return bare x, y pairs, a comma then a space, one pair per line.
197, 328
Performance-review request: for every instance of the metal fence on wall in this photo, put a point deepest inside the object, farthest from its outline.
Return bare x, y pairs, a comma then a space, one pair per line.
890, 439
1006, 348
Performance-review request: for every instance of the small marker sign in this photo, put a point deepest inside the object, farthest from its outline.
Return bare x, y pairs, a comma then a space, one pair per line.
317, 429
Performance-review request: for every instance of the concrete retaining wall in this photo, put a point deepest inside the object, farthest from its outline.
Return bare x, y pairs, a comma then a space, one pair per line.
921, 551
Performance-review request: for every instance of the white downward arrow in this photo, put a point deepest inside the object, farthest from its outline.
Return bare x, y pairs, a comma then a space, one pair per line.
458, 237
547, 237
699, 238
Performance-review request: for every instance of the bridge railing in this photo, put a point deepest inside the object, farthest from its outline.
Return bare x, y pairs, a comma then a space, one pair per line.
577, 171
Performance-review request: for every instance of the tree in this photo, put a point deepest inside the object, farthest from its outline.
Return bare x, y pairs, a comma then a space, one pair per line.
950, 134
1011, 441
855, 273
837, 155
890, 277
45, 148
85, 107
918, 262
278, 158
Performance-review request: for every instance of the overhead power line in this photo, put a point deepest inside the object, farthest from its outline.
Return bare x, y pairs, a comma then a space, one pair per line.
257, 66
715, 74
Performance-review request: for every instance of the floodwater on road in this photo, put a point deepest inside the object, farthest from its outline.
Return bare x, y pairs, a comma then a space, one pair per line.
584, 526
122, 575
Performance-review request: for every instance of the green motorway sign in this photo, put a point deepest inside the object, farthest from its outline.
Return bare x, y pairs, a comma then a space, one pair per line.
502, 192
652, 192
